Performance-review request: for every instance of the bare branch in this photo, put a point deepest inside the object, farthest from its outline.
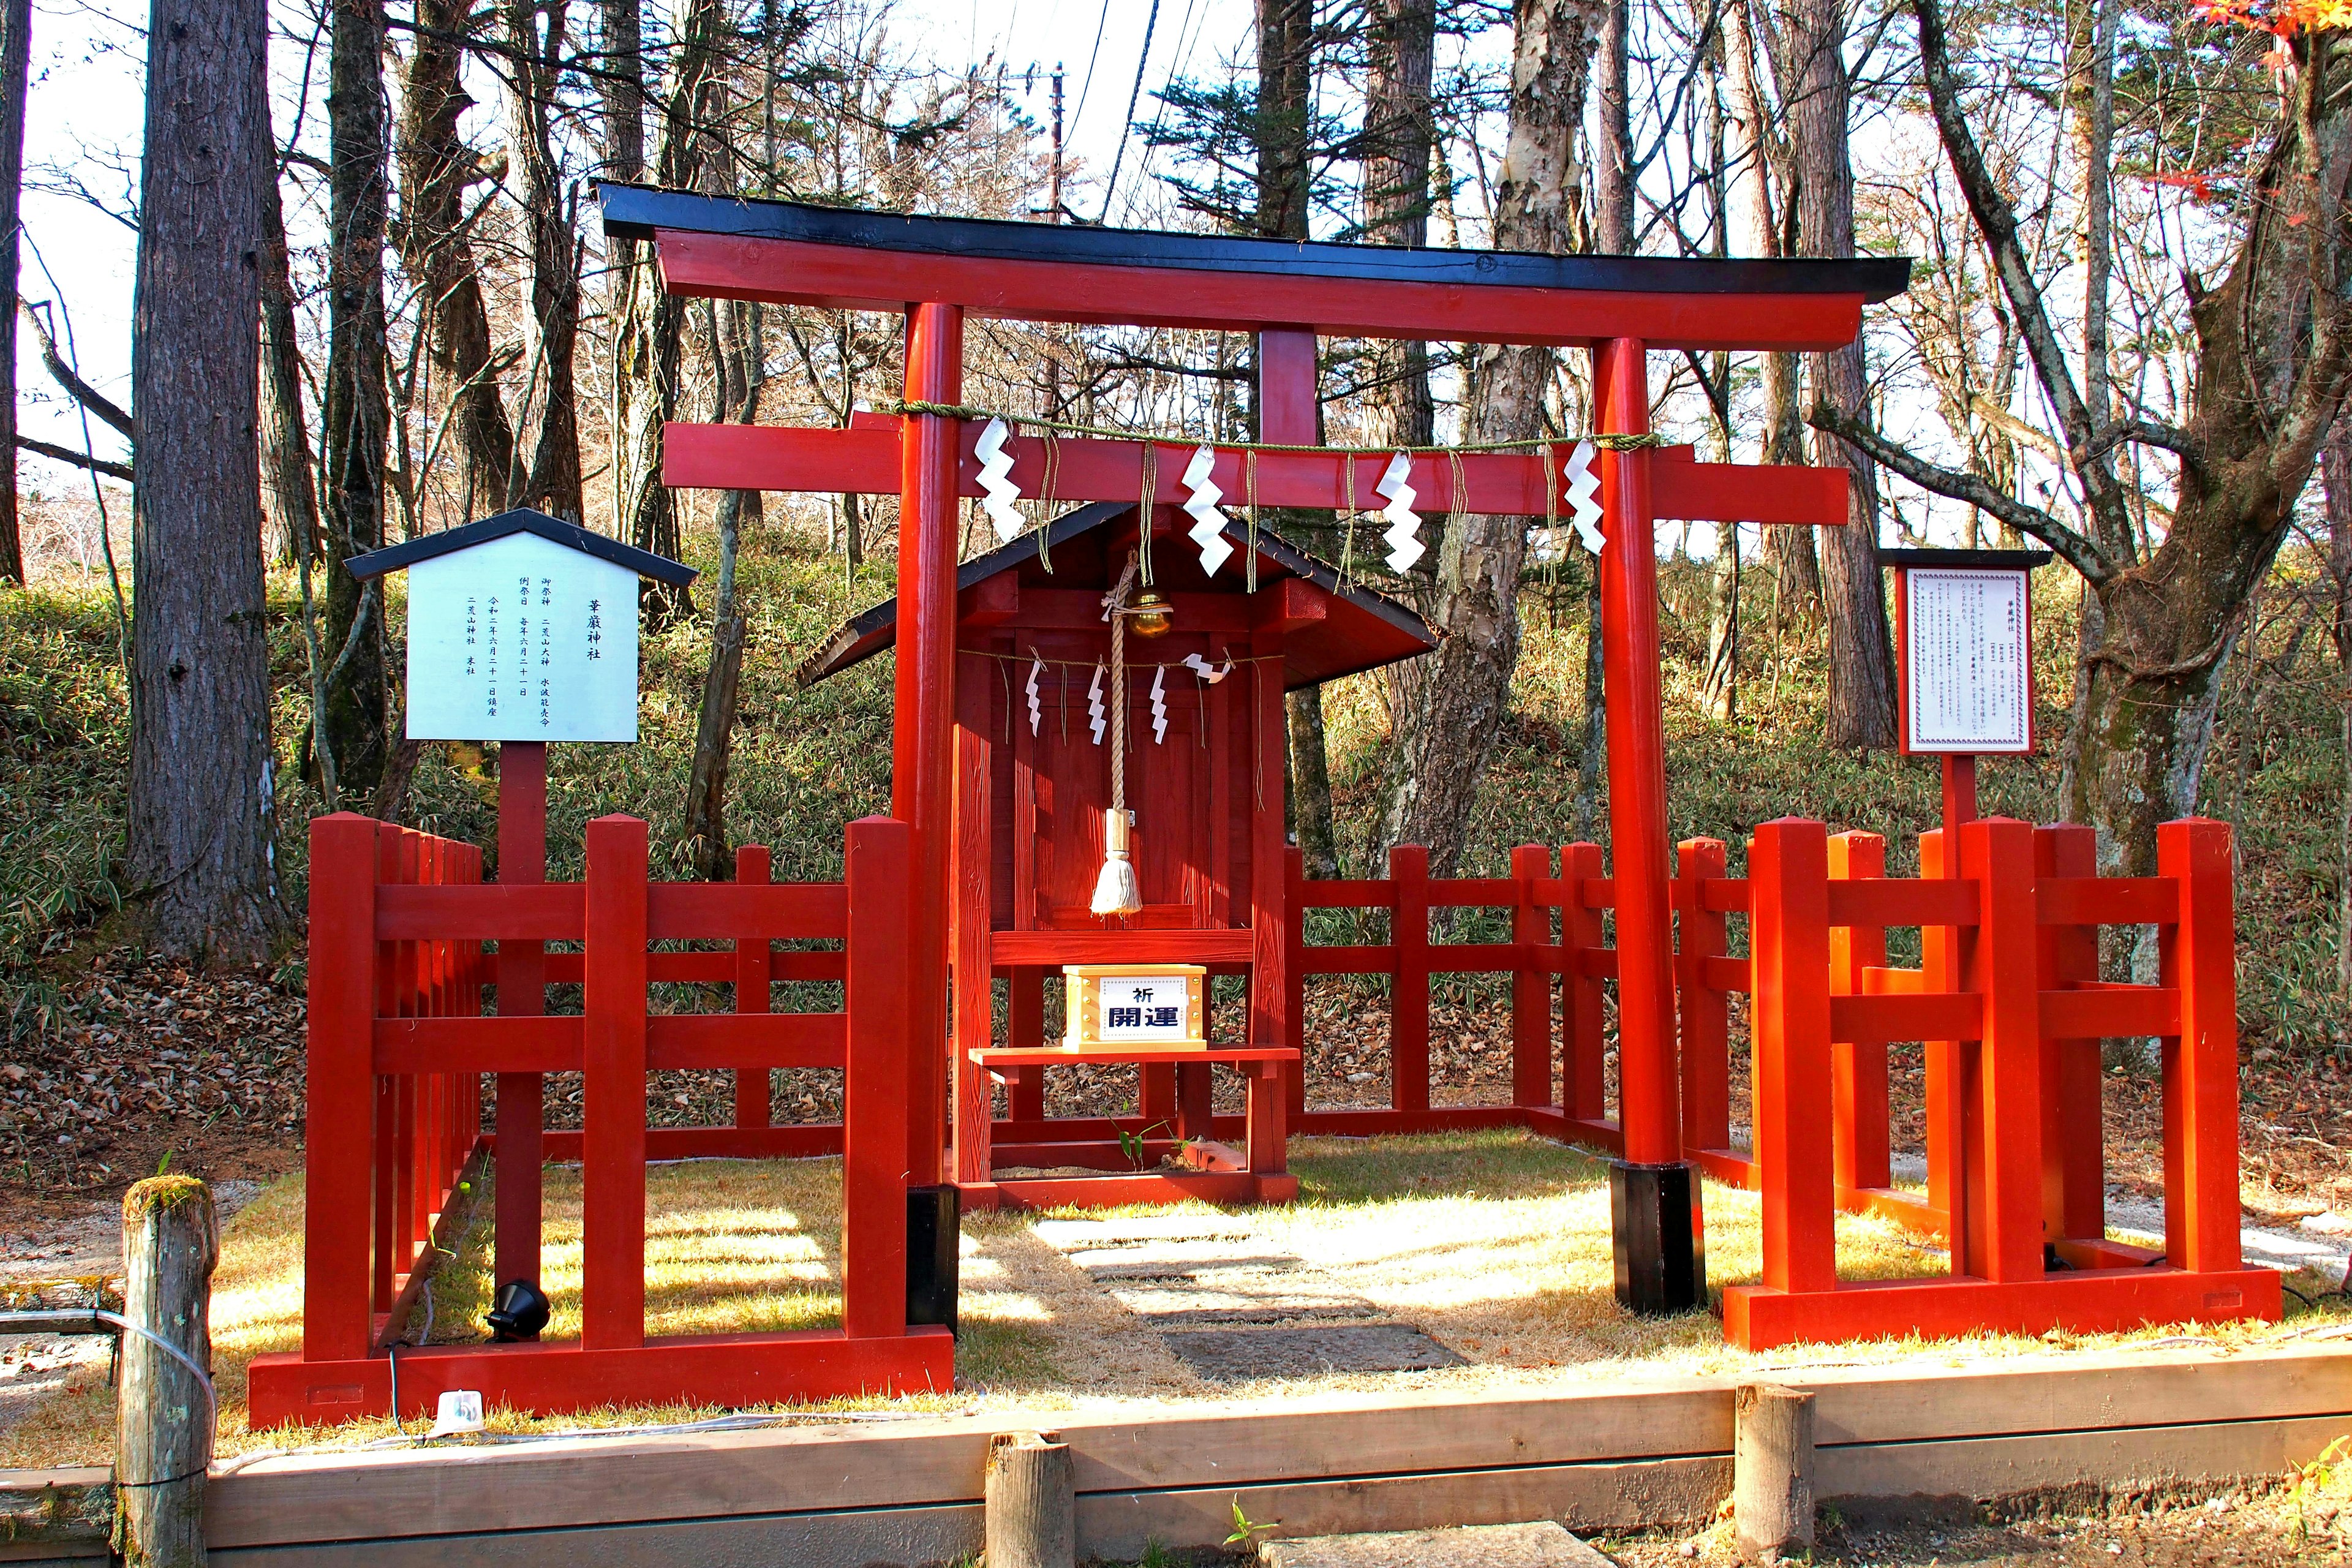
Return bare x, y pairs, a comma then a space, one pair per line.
78, 460
2147, 433
2016, 429
75, 387
2078, 552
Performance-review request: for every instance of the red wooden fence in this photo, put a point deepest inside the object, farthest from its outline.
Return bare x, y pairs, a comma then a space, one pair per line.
398, 921
2009, 997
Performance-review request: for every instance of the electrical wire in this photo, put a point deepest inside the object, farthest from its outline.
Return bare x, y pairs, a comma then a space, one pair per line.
1134, 97
1088, 80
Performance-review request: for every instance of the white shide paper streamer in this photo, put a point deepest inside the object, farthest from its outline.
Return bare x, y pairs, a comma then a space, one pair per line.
1208, 529
996, 462
1403, 532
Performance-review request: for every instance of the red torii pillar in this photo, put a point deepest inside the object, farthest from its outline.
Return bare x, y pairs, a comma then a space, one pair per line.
1661, 1261
922, 736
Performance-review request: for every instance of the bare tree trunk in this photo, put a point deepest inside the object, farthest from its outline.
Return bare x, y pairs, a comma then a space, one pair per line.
1285, 100
1613, 177
1796, 567
548, 476
288, 480
1399, 136
437, 170
16, 55
357, 416
2336, 471
646, 349
1862, 657
1719, 681
1453, 736
200, 811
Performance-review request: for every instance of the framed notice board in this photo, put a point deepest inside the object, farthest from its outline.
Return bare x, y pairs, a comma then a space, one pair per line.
1964, 643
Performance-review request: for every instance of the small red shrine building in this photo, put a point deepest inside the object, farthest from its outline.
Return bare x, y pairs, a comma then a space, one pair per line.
1206, 781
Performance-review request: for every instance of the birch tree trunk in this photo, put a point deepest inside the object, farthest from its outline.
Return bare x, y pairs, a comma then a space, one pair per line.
1453, 734
354, 736
200, 824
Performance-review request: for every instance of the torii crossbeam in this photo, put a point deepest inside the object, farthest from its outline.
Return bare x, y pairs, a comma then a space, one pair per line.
940, 270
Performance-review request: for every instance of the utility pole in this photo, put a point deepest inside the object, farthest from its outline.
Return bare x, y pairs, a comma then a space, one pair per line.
1053, 215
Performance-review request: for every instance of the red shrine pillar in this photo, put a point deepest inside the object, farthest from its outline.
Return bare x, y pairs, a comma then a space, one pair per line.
922, 741
1653, 1195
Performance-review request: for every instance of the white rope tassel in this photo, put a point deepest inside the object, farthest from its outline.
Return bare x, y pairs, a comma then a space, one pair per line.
1095, 702
995, 463
1159, 705
1208, 529
1403, 532
1036, 704
1117, 891
1583, 482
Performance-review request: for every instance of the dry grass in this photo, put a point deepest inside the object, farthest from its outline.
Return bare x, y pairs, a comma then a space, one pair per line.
1497, 1244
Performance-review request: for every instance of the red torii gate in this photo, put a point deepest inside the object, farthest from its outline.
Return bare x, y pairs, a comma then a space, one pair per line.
939, 270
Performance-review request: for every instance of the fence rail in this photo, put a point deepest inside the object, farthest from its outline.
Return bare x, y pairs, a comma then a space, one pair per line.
398, 1047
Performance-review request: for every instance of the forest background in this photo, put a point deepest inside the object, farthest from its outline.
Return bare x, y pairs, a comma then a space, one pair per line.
2126, 340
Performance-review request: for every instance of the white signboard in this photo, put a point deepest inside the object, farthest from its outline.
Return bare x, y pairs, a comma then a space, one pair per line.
1967, 671
522, 639
1143, 1008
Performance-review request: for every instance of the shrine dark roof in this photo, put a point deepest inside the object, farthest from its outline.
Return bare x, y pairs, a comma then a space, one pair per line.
1361, 630
636, 212
522, 520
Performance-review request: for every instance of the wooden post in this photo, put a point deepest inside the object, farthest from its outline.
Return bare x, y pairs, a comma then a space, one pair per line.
612, 1058
1583, 1087
1531, 982
1409, 993
2001, 1086
164, 1438
2200, 1064
1031, 1502
754, 868
874, 1101
1946, 1129
521, 1114
341, 1090
1771, 1471
1290, 1011
1788, 930
1706, 1011
1858, 1072
2074, 1163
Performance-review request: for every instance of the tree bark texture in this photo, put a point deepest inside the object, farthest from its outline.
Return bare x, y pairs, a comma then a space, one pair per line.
1399, 138
1861, 657
1286, 106
357, 414
288, 479
1448, 741
646, 352
1613, 153
163, 1435
2336, 475
16, 56
437, 172
200, 803
550, 474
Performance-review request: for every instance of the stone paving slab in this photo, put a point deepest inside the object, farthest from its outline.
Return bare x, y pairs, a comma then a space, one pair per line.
1232, 1355
1543, 1544
1067, 1233
1170, 1307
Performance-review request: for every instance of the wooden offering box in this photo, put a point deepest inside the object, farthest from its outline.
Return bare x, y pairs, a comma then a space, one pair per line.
1113, 1008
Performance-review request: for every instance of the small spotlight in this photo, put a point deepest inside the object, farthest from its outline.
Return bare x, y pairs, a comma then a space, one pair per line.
1151, 616
519, 1313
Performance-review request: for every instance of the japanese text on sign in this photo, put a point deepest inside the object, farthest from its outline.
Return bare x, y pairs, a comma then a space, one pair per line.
1968, 679
1143, 1007
522, 638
